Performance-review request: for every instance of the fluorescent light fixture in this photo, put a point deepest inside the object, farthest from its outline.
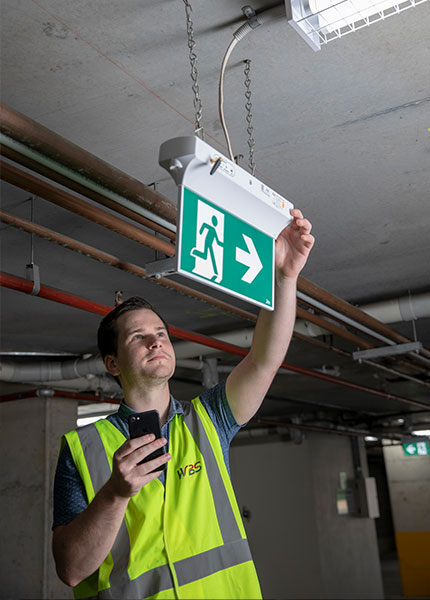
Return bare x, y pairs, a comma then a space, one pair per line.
370, 438
321, 21
422, 432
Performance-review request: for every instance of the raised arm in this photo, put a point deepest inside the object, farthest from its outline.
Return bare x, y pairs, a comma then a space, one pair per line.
248, 383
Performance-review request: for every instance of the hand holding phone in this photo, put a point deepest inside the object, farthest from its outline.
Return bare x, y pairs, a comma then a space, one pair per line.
143, 423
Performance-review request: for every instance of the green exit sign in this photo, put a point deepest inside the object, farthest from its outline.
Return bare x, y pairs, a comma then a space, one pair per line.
416, 448
218, 249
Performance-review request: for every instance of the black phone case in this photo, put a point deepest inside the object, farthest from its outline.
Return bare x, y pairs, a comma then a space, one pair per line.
143, 423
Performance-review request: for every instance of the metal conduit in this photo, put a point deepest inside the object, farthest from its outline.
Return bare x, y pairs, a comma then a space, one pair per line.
45, 171
35, 136
22, 285
39, 138
114, 261
347, 309
62, 198
101, 256
352, 323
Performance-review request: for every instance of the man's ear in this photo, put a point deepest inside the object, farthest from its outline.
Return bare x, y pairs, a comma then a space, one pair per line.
111, 365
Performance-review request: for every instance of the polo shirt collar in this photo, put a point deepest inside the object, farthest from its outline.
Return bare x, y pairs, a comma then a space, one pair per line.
175, 408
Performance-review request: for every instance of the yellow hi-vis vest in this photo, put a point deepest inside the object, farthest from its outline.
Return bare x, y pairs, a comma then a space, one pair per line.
182, 540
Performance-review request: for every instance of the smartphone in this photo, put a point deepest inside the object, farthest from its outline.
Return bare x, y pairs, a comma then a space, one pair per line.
143, 423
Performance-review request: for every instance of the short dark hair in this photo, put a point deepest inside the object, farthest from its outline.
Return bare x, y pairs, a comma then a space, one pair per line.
107, 334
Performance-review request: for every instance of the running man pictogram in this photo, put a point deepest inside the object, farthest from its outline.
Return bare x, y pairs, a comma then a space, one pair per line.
207, 248
211, 238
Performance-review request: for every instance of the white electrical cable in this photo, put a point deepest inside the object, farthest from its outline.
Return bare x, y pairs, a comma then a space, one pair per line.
238, 35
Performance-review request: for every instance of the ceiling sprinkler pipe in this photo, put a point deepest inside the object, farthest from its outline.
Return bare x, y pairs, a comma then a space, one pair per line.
23, 180
242, 338
84, 167
347, 309
19, 284
50, 393
68, 183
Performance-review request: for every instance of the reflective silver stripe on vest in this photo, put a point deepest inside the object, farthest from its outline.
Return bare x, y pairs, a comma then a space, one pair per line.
121, 584
95, 455
187, 570
212, 561
144, 586
235, 550
226, 519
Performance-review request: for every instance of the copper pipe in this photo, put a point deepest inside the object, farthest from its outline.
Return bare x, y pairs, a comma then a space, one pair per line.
347, 309
36, 186
72, 244
29, 163
59, 394
43, 140
32, 184
23, 285
391, 360
140, 272
99, 255
370, 363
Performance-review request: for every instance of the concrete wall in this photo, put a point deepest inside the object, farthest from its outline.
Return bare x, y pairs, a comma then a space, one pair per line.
30, 431
409, 485
301, 546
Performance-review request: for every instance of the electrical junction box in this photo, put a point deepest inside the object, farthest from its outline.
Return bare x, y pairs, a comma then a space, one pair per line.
228, 222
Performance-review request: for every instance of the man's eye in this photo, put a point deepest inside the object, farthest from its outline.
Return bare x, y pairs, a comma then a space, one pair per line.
138, 336
161, 334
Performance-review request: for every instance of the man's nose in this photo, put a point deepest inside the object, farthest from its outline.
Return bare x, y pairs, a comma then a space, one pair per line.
154, 342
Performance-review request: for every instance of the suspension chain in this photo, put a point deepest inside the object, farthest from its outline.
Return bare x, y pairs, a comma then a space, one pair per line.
193, 58
248, 107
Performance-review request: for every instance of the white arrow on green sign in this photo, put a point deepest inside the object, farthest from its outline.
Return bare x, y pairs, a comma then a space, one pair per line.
223, 251
416, 448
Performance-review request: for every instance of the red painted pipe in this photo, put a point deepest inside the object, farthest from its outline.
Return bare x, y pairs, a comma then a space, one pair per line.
58, 393
22, 285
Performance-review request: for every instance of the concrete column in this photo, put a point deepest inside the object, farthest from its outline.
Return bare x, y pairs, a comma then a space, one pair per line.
301, 546
30, 432
409, 485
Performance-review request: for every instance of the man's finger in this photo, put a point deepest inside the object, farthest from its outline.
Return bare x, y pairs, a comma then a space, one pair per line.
147, 467
305, 225
133, 444
144, 451
308, 240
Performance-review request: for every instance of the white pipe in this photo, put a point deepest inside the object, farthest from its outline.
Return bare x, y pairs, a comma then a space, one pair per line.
406, 308
398, 309
92, 384
51, 370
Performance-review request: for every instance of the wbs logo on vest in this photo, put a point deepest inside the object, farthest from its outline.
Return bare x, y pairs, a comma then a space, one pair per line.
189, 470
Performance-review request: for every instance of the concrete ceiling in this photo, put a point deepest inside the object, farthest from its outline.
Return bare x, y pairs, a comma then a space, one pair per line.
343, 133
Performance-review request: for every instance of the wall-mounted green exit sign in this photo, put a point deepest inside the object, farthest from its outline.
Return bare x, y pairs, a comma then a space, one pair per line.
420, 448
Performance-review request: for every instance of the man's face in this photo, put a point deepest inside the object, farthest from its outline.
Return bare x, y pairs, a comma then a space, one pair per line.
145, 354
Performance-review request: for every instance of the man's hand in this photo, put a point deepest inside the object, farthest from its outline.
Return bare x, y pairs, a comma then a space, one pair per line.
128, 477
293, 246
81, 546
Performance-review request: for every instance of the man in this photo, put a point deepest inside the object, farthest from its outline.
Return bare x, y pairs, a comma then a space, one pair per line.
122, 530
